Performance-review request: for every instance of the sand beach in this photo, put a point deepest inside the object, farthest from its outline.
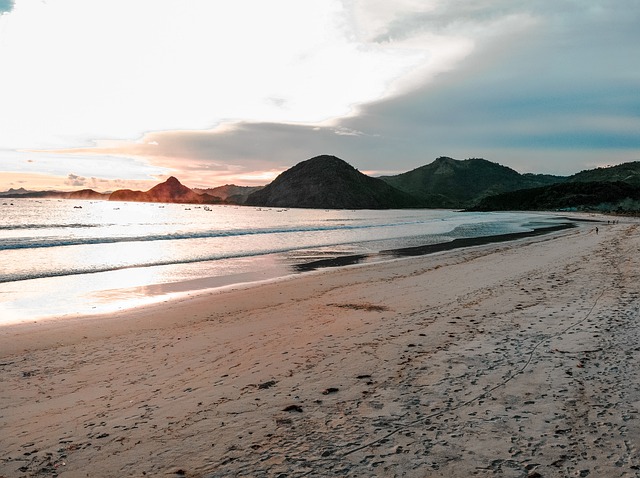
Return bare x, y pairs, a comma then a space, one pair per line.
513, 359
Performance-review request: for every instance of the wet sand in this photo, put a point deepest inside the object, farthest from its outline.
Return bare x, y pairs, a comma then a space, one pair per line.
514, 359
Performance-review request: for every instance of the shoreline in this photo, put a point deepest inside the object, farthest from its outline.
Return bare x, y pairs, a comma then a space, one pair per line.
103, 292
425, 249
175, 294
473, 361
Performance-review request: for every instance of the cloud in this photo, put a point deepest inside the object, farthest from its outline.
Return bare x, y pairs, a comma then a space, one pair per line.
75, 180
407, 22
186, 68
242, 153
102, 184
59, 164
541, 86
41, 182
6, 6
562, 90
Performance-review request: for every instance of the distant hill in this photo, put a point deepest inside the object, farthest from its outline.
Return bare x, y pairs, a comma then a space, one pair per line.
170, 191
11, 193
15, 194
87, 194
604, 196
610, 189
625, 172
82, 194
452, 183
328, 182
230, 193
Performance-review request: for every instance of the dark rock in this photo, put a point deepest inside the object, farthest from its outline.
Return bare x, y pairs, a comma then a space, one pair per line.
267, 384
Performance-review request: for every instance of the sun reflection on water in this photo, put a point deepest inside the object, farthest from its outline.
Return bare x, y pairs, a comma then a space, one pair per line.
60, 258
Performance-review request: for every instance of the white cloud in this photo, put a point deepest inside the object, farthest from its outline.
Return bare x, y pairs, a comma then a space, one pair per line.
80, 71
249, 86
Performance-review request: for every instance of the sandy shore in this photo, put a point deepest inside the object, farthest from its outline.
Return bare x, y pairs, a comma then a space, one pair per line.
517, 359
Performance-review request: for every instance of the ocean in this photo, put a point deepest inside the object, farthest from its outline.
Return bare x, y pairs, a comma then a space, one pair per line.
65, 258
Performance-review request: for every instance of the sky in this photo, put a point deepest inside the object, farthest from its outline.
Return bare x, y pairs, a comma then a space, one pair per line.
124, 93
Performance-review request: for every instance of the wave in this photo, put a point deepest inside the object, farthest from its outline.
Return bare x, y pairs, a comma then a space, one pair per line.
35, 243
44, 274
17, 227
92, 270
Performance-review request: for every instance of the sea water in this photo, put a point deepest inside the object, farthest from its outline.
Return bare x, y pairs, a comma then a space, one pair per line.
63, 257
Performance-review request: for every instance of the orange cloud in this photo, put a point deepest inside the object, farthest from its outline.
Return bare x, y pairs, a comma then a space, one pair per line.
196, 158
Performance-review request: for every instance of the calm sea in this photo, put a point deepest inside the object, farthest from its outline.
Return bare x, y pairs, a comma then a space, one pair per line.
77, 257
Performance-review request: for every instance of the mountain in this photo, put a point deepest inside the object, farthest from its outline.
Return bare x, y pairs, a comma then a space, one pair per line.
173, 191
170, 191
327, 182
15, 192
604, 196
230, 193
610, 189
87, 194
82, 194
452, 183
625, 172
24, 194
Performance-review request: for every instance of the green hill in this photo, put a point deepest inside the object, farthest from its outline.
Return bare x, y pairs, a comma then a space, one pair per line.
452, 183
625, 172
602, 196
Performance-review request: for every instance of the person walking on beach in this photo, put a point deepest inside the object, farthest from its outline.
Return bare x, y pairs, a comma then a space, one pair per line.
596, 230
